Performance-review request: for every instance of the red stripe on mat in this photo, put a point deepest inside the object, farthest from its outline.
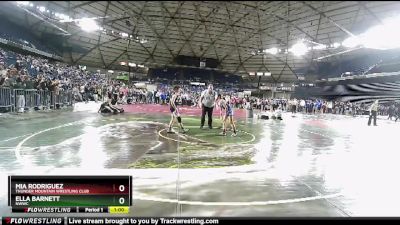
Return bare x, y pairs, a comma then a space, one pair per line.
184, 110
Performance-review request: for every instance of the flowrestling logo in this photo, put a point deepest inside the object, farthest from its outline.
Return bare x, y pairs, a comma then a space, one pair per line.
142, 221
38, 220
48, 210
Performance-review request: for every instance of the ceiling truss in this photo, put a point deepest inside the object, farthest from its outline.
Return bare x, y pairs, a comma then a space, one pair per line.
226, 31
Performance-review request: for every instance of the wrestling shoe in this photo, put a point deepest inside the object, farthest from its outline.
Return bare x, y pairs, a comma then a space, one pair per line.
222, 134
184, 130
170, 131
234, 134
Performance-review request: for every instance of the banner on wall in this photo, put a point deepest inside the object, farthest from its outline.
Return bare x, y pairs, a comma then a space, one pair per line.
151, 87
265, 88
140, 85
198, 84
123, 77
248, 93
283, 89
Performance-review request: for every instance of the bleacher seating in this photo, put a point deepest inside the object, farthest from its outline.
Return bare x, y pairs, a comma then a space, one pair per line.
387, 66
16, 34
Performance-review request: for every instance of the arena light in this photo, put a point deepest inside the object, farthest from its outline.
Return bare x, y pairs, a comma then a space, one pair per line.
31, 4
88, 25
143, 41
260, 73
111, 71
352, 42
24, 3
123, 63
124, 35
141, 66
384, 36
320, 47
336, 45
299, 49
42, 8
268, 74
272, 51
252, 73
64, 18
132, 64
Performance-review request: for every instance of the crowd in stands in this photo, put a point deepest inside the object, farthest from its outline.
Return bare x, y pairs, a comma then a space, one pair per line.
19, 36
392, 65
31, 72
30, 44
318, 106
191, 94
373, 62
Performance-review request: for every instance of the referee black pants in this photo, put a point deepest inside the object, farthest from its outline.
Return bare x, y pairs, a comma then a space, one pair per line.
209, 112
372, 115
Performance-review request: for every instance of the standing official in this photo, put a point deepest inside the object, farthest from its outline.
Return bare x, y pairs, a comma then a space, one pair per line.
372, 112
207, 102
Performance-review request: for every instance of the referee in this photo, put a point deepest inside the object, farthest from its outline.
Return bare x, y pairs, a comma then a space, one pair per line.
372, 112
207, 103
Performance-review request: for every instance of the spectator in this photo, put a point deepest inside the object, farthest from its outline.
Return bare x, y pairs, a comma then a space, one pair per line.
372, 112
207, 102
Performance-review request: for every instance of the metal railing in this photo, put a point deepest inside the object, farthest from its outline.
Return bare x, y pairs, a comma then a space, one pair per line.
30, 99
6, 99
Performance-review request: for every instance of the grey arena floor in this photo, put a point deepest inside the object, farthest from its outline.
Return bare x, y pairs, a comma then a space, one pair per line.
308, 165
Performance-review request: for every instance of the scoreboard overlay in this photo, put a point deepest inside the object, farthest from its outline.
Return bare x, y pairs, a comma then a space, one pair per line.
69, 194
